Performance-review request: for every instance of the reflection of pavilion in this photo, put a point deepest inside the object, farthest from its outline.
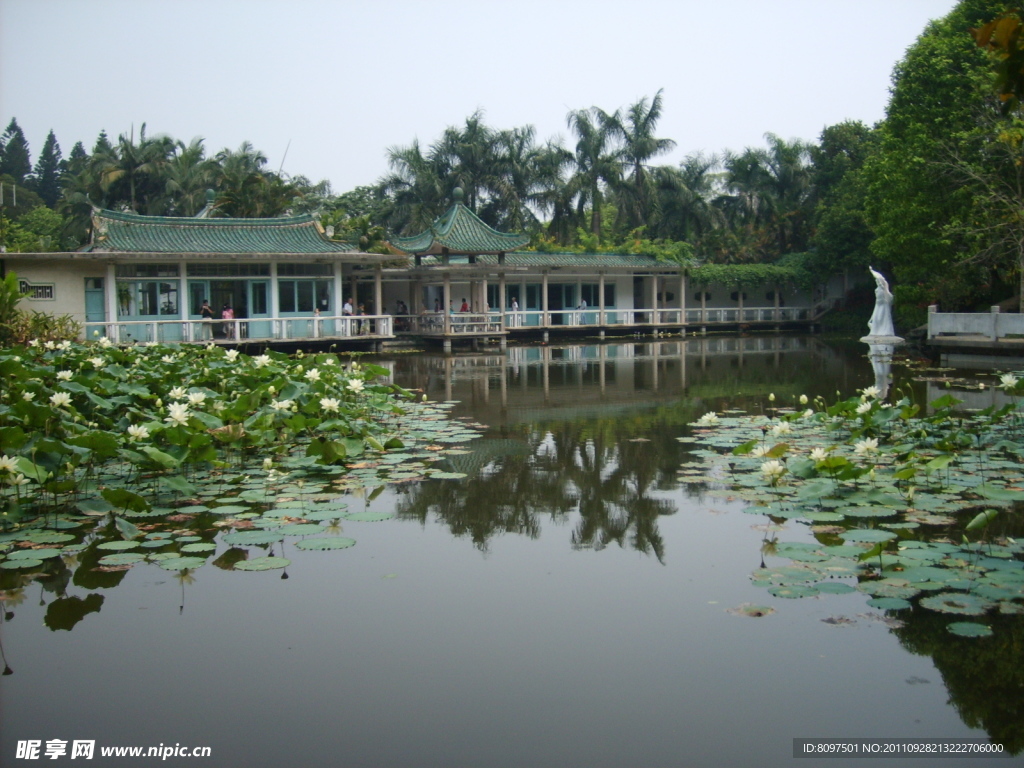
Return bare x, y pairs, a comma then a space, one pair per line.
581, 377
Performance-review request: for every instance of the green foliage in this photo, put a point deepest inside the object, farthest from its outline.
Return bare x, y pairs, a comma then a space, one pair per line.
921, 216
46, 175
747, 275
38, 231
18, 326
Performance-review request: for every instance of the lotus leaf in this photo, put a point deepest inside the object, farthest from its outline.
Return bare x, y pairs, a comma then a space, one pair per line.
300, 529
25, 562
325, 543
969, 629
122, 558
118, 545
253, 538
199, 546
834, 588
889, 603
182, 563
228, 509
263, 564
957, 602
156, 543
368, 517
48, 537
867, 535
793, 591
34, 554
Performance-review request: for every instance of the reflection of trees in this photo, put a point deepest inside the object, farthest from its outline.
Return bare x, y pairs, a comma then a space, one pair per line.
983, 676
555, 469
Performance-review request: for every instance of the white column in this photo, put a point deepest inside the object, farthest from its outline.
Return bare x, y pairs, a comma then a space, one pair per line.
183, 302
110, 294
544, 299
501, 308
446, 301
600, 298
378, 294
339, 288
654, 299
276, 329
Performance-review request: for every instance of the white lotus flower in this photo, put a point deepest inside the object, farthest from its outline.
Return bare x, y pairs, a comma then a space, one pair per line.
863, 408
782, 428
7, 464
28, 396
137, 432
355, 385
34, 343
177, 393
771, 397
803, 399
18, 479
773, 469
268, 463
196, 398
818, 454
167, 359
49, 345
231, 355
759, 452
1008, 381
60, 399
281, 405
64, 375
866, 446
807, 414
313, 374
709, 419
262, 360
870, 392
105, 342
177, 414
218, 405
97, 362
64, 345
330, 404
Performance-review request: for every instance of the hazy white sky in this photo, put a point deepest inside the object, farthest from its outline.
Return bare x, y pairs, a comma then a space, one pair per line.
342, 81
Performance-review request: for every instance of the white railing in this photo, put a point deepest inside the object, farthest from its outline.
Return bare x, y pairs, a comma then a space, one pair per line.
433, 323
993, 325
243, 329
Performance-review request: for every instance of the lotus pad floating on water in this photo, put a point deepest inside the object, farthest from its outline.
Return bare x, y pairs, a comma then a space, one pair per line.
325, 543
793, 591
969, 629
182, 563
25, 562
199, 546
368, 517
253, 538
268, 563
118, 545
122, 558
957, 602
43, 553
867, 535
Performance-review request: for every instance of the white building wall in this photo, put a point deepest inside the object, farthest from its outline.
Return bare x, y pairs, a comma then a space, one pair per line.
66, 277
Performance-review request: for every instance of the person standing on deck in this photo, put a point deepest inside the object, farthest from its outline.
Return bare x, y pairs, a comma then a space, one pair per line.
206, 313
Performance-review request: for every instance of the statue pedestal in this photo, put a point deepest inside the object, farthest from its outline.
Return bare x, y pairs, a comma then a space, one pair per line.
882, 339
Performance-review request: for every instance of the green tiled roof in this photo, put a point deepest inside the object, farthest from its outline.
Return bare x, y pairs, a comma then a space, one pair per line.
460, 231
595, 260
132, 233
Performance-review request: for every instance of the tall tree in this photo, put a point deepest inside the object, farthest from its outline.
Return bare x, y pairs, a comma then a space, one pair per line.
940, 96
46, 176
14, 154
635, 129
595, 164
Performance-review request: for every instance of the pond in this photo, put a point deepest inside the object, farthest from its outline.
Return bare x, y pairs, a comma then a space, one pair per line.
571, 601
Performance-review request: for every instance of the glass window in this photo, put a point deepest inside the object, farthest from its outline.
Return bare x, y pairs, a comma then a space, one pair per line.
259, 298
286, 295
305, 291
323, 296
168, 298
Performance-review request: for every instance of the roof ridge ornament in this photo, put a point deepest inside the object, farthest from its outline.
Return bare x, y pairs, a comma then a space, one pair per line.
457, 195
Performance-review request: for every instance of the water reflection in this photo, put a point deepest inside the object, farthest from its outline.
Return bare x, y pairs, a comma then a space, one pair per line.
589, 432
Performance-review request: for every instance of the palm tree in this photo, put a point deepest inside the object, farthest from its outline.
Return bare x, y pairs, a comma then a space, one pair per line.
133, 174
189, 175
635, 129
417, 186
595, 164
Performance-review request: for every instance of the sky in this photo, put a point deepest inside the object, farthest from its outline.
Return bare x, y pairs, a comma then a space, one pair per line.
323, 88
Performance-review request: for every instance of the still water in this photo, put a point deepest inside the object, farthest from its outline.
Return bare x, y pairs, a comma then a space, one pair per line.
565, 604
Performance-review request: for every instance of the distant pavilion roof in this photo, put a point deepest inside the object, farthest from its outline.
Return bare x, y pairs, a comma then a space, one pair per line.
117, 232
459, 231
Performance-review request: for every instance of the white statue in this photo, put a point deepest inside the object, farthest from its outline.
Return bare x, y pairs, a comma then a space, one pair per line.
880, 324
